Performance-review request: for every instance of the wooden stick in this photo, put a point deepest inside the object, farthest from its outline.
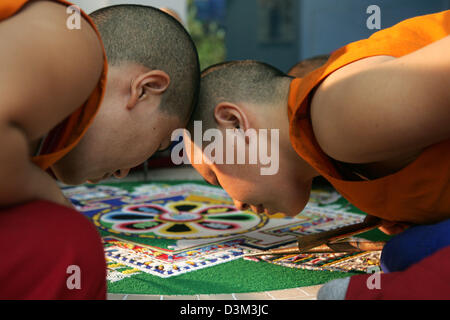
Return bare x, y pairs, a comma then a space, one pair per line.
349, 247
310, 241
323, 240
339, 247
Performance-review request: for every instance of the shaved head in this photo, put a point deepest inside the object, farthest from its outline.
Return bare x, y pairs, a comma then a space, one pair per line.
236, 82
149, 37
304, 67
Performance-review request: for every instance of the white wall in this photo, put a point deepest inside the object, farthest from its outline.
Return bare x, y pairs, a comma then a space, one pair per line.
180, 6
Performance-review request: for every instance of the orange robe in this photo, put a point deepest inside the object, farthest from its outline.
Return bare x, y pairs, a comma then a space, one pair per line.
66, 135
420, 193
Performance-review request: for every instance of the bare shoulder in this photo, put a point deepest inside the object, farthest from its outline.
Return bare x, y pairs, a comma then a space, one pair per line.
383, 108
50, 70
332, 110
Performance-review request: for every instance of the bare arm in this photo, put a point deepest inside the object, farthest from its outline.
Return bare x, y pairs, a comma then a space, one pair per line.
21, 180
381, 108
48, 72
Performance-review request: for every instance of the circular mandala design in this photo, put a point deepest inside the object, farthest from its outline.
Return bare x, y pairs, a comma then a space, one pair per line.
179, 220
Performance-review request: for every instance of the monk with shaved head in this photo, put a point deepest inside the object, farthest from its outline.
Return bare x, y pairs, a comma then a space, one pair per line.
243, 95
83, 98
151, 90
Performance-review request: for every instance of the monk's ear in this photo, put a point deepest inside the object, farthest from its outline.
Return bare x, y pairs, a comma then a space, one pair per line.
231, 116
152, 83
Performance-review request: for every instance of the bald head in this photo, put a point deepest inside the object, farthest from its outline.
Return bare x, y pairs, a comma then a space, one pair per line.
149, 37
236, 82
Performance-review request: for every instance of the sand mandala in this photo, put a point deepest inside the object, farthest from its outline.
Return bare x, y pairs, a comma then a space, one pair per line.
169, 230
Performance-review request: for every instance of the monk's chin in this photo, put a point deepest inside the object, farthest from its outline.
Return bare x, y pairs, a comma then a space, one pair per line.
292, 211
295, 212
299, 205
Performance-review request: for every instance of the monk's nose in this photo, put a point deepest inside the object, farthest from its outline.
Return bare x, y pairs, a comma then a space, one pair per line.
241, 205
